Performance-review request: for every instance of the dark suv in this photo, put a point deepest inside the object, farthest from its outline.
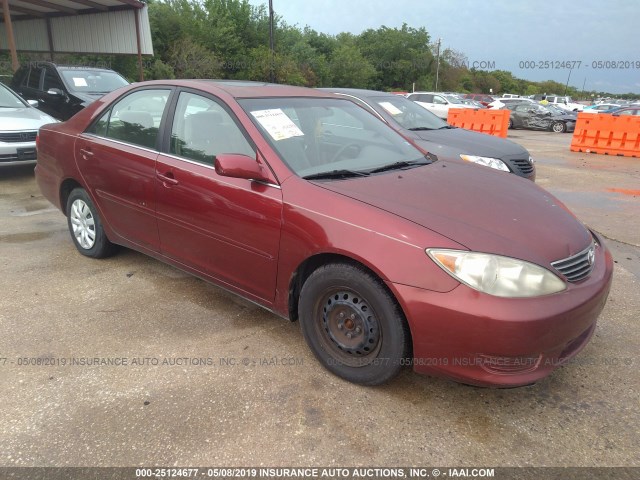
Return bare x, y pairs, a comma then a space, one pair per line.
62, 91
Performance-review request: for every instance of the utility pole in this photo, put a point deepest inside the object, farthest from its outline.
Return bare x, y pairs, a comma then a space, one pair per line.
272, 67
567, 85
438, 63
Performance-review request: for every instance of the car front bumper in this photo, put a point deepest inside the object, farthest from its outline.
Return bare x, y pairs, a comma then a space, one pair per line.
484, 340
19, 153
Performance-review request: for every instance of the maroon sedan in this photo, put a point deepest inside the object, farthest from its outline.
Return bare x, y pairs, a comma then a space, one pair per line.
311, 207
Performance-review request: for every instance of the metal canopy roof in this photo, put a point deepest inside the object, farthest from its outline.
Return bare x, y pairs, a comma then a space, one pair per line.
26, 9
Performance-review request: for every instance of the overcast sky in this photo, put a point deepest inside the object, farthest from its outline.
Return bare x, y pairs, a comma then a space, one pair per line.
505, 32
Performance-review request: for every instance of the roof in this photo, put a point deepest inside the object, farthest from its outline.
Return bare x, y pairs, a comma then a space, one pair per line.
26, 9
358, 92
243, 88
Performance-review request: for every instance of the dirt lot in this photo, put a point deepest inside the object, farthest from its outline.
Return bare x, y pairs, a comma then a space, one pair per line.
212, 380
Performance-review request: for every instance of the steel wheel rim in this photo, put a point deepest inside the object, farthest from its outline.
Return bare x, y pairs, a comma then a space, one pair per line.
83, 224
349, 327
558, 127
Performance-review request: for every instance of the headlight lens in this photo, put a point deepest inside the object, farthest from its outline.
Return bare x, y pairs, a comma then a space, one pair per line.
497, 275
486, 162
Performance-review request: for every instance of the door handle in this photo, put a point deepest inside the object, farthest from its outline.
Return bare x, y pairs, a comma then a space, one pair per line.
167, 178
86, 153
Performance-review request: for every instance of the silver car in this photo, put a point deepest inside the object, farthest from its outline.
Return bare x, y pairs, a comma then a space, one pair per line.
19, 124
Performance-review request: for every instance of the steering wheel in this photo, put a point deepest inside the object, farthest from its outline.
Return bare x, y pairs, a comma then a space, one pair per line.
343, 149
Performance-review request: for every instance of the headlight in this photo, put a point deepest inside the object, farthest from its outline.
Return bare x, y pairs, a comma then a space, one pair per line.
497, 275
487, 162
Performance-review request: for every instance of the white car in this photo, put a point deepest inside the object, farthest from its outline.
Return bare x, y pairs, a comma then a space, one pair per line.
438, 103
19, 125
565, 102
602, 107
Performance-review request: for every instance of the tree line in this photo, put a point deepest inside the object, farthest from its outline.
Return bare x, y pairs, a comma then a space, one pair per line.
229, 39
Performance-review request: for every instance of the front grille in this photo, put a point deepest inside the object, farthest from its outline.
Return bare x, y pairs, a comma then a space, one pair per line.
523, 165
578, 266
16, 137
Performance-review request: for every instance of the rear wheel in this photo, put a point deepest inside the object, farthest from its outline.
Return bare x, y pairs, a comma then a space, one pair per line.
558, 127
510, 124
353, 325
85, 226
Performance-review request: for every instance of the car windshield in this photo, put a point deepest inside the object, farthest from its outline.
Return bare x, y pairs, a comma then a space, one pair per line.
92, 81
409, 114
555, 109
315, 136
9, 100
455, 99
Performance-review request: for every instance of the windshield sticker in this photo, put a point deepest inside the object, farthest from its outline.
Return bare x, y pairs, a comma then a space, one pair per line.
277, 123
79, 82
391, 108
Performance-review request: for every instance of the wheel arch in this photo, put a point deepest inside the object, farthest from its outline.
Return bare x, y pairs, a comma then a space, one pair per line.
312, 263
66, 187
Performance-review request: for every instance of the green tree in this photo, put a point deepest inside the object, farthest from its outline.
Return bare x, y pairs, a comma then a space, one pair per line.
349, 68
190, 59
399, 56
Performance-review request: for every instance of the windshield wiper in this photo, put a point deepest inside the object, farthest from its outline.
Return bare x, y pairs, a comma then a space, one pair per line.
400, 165
416, 129
335, 174
447, 127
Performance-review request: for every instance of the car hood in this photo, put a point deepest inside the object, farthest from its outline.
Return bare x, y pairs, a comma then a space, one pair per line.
27, 118
451, 142
482, 209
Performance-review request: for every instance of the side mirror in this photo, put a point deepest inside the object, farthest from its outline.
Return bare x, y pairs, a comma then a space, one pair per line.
240, 166
55, 91
33, 103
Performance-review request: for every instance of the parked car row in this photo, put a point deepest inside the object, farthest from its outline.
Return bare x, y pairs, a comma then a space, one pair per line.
42, 93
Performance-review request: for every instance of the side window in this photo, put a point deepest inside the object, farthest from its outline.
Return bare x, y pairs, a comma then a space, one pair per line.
51, 80
438, 100
33, 79
100, 127
203, 129
523, 108
627, 112
134, 119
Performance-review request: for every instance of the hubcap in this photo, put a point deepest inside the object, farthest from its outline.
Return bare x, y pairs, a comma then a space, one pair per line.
350, 324
83, 224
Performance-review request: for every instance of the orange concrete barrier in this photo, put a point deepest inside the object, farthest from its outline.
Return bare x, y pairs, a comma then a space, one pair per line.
607, 134
491, 122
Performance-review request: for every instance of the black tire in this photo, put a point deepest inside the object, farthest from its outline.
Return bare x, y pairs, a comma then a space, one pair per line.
510, 124
558, 127
338, 300
85, 226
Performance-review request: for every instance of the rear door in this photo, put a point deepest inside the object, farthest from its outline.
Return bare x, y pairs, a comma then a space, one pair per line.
30, 86
117, 159
224, 228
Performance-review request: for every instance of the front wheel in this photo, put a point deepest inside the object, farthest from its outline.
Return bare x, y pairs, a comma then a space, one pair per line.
559, 127
353, 325
510, 124
85, 226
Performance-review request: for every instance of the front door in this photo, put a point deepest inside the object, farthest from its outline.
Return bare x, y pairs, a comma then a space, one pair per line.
227, 229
